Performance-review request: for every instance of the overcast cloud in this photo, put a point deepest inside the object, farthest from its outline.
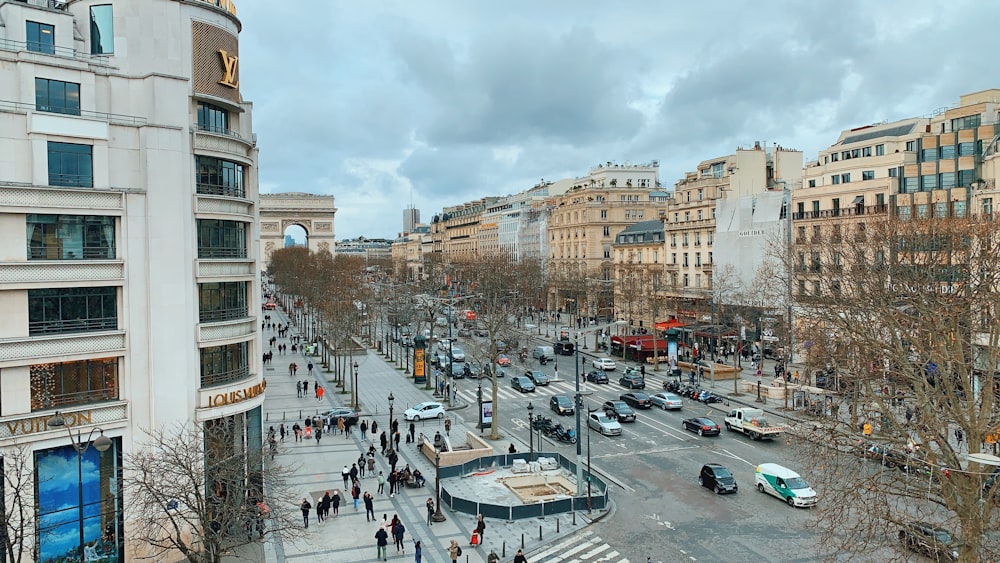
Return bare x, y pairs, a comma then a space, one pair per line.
381, 103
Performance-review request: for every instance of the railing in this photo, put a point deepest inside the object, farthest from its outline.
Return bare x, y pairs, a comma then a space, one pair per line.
71, 180
842, 212
47, 400
72, 325
221, 252
109, 117
46, 49
217, 315
224, 377
225, 133
219, 189
89, 252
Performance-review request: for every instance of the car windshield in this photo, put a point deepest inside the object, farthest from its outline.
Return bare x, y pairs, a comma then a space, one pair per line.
601, 418
641, 397
722, 472
796, 483
563, 401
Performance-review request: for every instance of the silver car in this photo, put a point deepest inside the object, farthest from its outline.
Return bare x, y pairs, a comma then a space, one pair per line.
604, 424
667, 401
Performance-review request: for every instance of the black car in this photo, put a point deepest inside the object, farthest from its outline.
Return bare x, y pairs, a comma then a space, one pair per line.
537, 377
633, 381
703, 426
637, 400
563, 348
561, 404
349, 415
597, 376
718, 478
619, 411
936, 543
522, 384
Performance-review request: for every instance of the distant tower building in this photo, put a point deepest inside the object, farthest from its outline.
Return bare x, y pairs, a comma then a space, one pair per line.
411, 216
289, 241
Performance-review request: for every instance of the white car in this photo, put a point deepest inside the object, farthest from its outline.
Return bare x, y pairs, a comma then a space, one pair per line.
667, 401
604, 424
607, 364
423, 411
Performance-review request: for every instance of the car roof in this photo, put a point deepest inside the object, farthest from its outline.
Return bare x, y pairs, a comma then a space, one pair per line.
561, 398
704, 420
426, 403
776, 470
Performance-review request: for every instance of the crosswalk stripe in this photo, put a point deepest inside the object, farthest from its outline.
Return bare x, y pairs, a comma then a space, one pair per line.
592, 553
569, 551
562, 545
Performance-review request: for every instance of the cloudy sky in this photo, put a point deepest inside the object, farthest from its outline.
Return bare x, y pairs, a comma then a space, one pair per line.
438, 102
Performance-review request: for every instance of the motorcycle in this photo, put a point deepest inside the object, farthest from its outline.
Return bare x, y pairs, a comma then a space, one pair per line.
543, 360
566, 435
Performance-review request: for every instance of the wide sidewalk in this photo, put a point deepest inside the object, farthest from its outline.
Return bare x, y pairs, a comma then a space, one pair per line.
349, 537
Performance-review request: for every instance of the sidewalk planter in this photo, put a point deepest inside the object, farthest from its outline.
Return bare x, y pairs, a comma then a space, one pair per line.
722, 371
474, 447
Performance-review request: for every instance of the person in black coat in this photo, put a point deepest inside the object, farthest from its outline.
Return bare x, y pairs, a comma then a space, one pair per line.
381, 540
306, 506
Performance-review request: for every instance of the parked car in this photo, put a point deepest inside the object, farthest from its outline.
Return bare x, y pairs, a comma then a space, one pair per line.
718, 478
503, 360
561, 404
537, 377
703, 426
619, 410
424, 411
349, 415
632, 381
522, 384
936, 543
637, 400
667, 401
606, 364
604, 424
597, 376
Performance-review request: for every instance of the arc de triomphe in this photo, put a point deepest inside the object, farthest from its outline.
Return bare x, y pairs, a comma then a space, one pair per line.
314, 213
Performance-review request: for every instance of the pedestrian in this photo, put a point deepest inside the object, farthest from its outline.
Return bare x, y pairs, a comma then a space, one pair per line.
392, 483
417, 551
493, 557
326, 501
305, 507
395, 426
340, 424
305, 387
298, 387
520, 558
319, 434
319, 392
361, 466
384, 441
430, 511
282, 432
371, 463
480, 527
381, 541
335, 502
393, 458
345, 474
454, 551
381, 483
958, 436
291, 369
397, 534
395, 438
364, 429
369, 501
356, 494
354, 472
310, 367
413, 433
320, 511
298, 432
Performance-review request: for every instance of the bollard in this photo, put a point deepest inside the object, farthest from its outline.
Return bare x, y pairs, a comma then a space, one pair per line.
522, 541
539, 532
574, 518
557, 524
503, 550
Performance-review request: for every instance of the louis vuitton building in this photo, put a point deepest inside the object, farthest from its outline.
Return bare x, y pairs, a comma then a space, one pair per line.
128, 245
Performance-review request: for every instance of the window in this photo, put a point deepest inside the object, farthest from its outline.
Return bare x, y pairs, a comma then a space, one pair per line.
868, 175
967, 122
801, 234
903, 212
677, 217
213, 118
687, 280
941, 209
700, 216
685, 239
222, 301
911, 146
224, 364
836, 207
879, 150
70, 165
607, 231
221, 239
835, 179
697, 259
867, 151
41, 37
928, 182
855, 153
673, 239
687, 216
967, 149
922, 210
685, 259
988, 206
673, 258
880, 199
70, 237
710, 257
928, 155
219, 177
604, 214
102, 31
697, 239
812, 183
697, 280
966, 177
893, 172
802, 287
845, 178
701, 194
947, 151
56, 96
814, 262
815, 208
711, 238
911, 185
717, 170
72, 309
946, 180
73, 383
834, 157
846, 155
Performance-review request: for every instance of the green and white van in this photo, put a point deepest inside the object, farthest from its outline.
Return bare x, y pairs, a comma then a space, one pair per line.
785, 484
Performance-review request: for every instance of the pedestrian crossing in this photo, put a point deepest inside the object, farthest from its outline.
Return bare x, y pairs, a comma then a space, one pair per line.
467, 389
579, 548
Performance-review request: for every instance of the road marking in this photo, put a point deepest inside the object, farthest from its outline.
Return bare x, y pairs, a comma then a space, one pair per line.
727, 453
521, 424
645, 452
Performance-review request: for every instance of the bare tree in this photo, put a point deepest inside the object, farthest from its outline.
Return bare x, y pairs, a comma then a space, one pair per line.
18, 502
904, 321
195, 492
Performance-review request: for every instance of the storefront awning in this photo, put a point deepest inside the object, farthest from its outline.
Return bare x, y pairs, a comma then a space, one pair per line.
666, 325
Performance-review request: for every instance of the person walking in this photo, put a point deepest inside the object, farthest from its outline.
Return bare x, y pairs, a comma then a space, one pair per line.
364, 430
354, 472
298, 432
413, 433
417, 551
393, 459
282, 432
361, 466
335, 502
345, 474
326, 501
319, 392
371, 464
395, 438
384, 441
319, 434
381, 483
480, 528
454, 551
374, 427
320, 511
305, 507
298, 386
397, 534
519, 557
356, 494
381, 541
430, 511
369, 507
392, 483
309, 366
340, 424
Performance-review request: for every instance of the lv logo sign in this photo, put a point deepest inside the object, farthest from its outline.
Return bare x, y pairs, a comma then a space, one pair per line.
230, 64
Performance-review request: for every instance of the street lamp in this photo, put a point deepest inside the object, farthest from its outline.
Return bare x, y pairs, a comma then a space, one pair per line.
354, 388
531, 433
438, 516
479, 399
101, 444
391, 399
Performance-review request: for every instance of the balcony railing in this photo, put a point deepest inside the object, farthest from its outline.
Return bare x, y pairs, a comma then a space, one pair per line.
218, 315
221, 252
218, 189
72, 325
71, 180
225, 133
842, 212
224, 377
47, 400
115, 118
45, 49
88, 252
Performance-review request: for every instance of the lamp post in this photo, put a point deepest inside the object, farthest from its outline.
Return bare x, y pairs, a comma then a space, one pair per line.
354, 387
101, 444
531, 433
579, 402
589, 478
479, 399
438, 516
391, 399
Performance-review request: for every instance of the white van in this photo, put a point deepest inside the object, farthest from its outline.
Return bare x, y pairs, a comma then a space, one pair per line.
539, 351
785, 484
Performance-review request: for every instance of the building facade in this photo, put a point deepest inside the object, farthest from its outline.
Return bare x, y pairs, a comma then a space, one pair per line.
128, 277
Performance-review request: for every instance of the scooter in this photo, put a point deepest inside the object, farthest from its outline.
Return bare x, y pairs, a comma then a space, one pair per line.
566, 435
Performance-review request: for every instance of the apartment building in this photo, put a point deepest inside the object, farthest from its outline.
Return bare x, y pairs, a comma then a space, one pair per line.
640, 285
455, 231
408, 252
585, 220
128, 275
